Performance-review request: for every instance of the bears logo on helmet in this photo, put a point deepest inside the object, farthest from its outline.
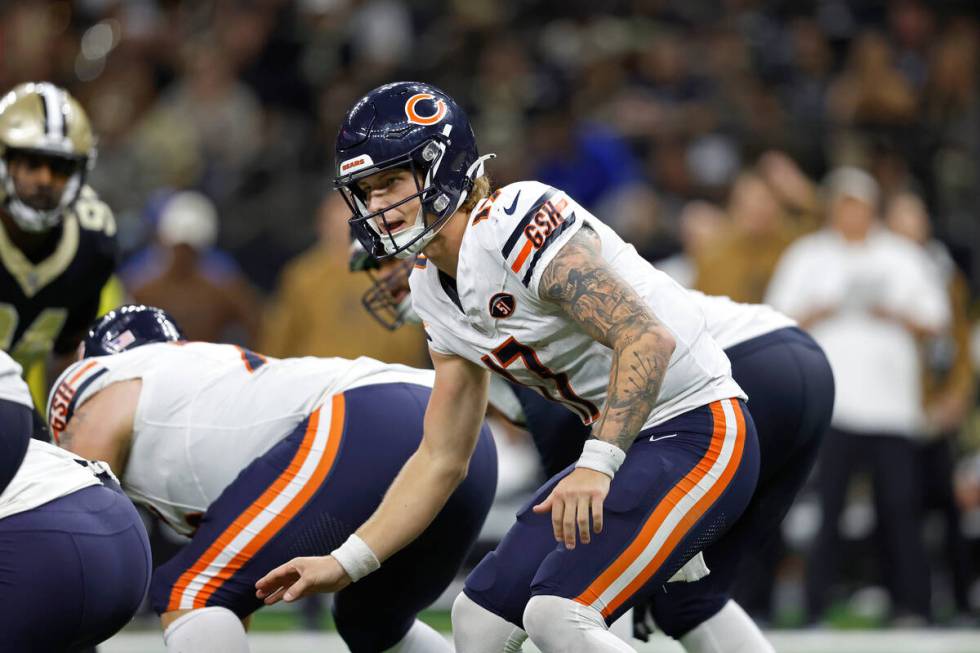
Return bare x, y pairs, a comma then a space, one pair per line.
413, 115
411, 126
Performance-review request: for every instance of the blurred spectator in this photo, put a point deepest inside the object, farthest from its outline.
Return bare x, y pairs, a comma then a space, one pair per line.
211, 302
317, 310
587, 160
700, 225
872, 91
767, 209
948, 393
867, 296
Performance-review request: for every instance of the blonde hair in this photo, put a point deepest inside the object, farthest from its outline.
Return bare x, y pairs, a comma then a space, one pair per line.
480, 190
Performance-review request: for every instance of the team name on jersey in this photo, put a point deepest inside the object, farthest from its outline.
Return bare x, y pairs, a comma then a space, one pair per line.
65, 395
541, 225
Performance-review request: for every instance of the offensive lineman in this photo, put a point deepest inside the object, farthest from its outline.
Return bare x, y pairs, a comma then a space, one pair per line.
257, 460
791, 386
57, 239
527, 284
76, 560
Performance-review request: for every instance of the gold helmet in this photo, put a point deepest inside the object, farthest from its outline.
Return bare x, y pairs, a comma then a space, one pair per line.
42, 119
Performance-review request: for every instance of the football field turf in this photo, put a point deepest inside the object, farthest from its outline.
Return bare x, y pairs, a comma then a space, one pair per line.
785, 641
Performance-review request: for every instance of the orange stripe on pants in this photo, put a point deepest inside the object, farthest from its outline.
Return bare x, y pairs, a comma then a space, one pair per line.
262, 503
683, 487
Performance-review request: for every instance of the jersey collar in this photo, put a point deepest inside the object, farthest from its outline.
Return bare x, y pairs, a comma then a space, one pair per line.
33, 278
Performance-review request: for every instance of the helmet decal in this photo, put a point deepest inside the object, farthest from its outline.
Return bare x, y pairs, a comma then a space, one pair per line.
413, 115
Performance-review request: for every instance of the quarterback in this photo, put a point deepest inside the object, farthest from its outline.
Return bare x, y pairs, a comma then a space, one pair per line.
257, 460
791, 389
527, 284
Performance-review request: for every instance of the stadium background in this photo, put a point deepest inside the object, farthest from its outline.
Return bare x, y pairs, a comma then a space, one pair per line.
700, 130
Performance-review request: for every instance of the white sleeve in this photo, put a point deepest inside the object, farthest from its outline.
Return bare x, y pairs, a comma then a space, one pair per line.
529, 224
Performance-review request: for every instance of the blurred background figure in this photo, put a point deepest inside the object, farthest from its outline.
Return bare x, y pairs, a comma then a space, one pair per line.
184, 276
768, 207
868, 296
948, 391
317, 309
700, 224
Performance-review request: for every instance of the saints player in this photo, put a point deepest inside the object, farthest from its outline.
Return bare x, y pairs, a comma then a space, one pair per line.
788, 378
57, 239
258, 459
529, 285
76, 560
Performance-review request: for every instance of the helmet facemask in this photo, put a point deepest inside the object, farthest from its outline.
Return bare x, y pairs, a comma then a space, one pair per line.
422, 163
388, 300
31, 218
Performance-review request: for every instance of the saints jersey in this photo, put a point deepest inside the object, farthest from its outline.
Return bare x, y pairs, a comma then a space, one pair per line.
493, 314
50, 304
206, 411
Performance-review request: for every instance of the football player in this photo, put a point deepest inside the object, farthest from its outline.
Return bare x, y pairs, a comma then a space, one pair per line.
76, 560
526, 283
57, 239
791, 389
258, 460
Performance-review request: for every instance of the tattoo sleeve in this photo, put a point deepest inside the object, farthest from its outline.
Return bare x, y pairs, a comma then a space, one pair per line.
606, 307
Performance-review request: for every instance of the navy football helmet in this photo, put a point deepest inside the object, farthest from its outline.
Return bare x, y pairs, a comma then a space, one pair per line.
414, 126
127, 327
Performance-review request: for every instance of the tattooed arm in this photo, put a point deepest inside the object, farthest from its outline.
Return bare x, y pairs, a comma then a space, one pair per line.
608, 309
580, 281
102, 427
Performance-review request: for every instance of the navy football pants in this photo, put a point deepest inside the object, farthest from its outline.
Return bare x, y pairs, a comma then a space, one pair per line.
354, 446
73, 571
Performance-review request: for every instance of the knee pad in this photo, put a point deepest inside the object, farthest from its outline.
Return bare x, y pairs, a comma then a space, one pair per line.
729, 631
205, 630
560, 625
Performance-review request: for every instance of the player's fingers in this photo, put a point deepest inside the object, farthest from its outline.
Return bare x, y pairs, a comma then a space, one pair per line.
557, 512
582, 511
297, 590
276, 578
597, 514
568, 523
274, 597
545, 505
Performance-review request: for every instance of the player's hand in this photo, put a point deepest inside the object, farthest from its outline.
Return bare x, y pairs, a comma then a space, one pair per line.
570, 502
300, 577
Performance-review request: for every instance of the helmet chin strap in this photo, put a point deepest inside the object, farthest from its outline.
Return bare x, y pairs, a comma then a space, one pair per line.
33, 220
475, 171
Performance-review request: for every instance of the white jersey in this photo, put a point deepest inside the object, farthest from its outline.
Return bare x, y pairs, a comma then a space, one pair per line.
731, 323
494, 316
47, 473
12, 386
206, 411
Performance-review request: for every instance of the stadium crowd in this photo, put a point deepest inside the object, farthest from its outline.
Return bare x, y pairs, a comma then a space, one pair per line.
753, 149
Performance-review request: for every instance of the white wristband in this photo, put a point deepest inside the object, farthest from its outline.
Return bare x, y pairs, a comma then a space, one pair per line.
602, 457
356, 557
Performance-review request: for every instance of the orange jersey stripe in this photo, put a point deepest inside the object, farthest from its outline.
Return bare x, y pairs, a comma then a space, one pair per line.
525, 252
79, 373
262, 503
649, 529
